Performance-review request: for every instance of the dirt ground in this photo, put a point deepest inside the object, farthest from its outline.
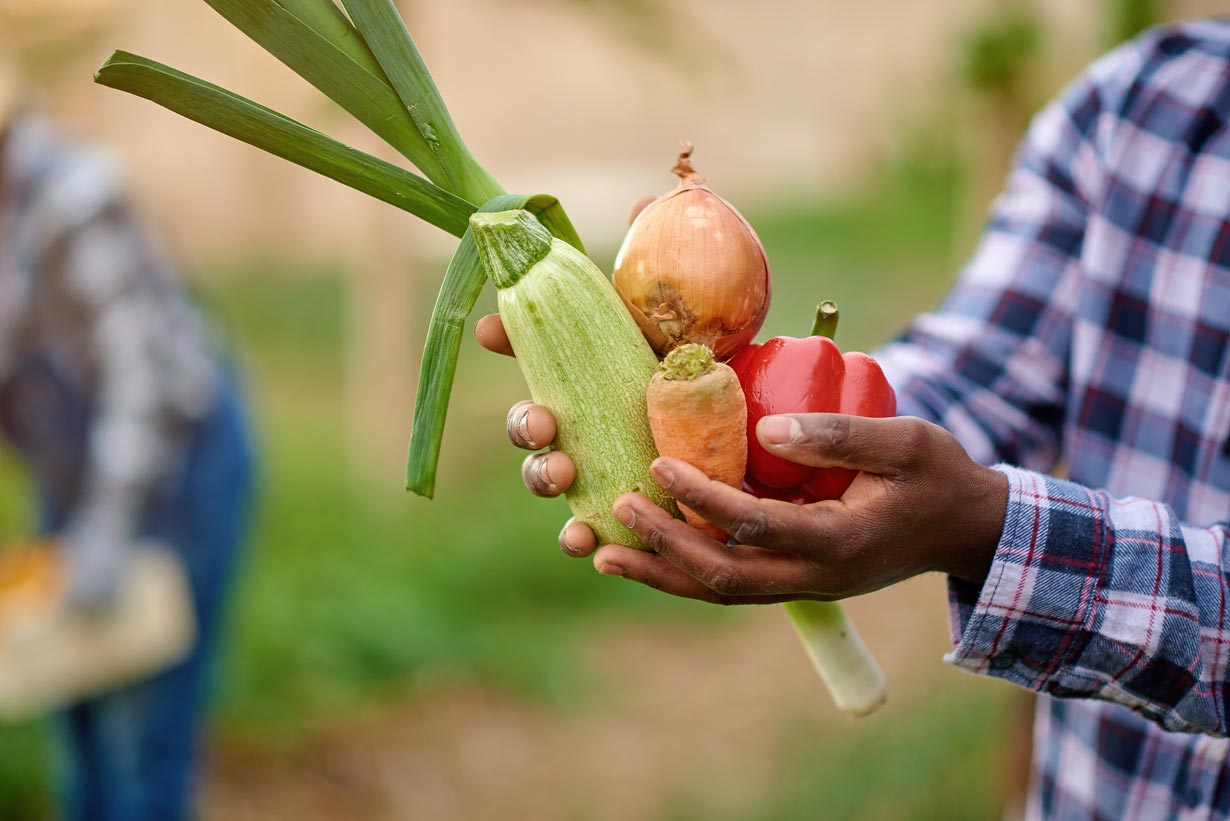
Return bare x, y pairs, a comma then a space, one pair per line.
683, 708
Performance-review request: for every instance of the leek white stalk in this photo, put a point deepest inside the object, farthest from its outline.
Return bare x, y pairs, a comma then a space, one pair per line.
836, 650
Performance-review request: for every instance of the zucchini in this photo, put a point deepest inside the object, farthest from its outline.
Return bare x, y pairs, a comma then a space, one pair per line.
584, 359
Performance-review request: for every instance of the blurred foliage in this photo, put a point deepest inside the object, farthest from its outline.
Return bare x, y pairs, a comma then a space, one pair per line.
940, 764
1127, 18
354, 592
997, 55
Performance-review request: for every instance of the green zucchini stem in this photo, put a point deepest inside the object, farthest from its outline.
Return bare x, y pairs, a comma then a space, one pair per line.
510, 243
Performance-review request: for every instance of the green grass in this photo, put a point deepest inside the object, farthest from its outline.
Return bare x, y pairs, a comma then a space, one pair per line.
945, 761
353, 591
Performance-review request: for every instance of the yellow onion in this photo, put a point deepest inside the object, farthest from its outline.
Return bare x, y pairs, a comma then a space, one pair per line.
691, 269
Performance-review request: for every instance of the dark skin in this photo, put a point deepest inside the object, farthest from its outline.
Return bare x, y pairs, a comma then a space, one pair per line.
919, 504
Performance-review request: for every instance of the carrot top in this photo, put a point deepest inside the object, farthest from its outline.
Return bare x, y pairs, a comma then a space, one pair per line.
687, 362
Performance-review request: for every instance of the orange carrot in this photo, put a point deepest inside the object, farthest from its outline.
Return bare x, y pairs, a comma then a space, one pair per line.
697, 413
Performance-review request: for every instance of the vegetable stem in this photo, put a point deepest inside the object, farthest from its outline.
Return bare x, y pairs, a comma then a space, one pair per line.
826, 320
837, 652
509, 244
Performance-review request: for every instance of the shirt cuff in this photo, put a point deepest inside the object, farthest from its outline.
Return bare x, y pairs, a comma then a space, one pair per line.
1034, 614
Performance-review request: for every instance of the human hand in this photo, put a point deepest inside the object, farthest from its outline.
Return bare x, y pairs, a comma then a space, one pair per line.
919, 504
550, 473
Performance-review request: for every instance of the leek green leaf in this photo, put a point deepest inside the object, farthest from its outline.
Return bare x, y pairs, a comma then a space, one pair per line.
278, 134
345, 73
384, 31
331, 23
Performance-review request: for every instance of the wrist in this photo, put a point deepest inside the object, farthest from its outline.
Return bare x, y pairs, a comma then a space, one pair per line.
981, 524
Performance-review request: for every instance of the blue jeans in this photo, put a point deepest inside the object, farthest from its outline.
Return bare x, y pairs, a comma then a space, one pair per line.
131, 754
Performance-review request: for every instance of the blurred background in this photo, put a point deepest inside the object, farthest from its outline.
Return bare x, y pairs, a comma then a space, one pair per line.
391, 657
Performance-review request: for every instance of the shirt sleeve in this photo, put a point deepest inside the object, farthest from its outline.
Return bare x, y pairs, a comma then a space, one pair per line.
990, 364
142, 411
1091, 596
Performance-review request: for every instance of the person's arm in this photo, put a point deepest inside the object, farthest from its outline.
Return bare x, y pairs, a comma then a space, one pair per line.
1090, 596
108, 270
1059, 588
991, 363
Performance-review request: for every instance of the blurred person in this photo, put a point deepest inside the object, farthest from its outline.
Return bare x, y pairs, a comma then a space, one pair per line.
1092, 326
114, 394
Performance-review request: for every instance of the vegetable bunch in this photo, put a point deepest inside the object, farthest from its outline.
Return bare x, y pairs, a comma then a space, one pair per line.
691, 271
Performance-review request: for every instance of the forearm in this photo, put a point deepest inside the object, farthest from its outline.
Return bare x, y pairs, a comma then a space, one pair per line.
1093, 597
935, 372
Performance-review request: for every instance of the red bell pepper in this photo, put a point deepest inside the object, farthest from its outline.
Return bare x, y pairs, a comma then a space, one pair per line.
810, 375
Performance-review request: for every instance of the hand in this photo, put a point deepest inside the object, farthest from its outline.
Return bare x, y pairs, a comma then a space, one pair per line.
97, 558
919, 504
532, 427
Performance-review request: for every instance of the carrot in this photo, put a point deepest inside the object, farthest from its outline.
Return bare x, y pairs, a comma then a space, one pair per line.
697, 413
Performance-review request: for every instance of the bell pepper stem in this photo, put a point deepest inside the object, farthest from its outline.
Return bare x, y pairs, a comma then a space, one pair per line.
826, 319
836, 650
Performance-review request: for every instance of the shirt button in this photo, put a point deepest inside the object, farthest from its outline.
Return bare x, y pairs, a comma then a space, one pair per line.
1003, 662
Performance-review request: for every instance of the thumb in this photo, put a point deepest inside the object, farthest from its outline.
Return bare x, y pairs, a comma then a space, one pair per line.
884, 446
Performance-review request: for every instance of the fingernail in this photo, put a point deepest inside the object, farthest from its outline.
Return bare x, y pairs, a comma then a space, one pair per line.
518, 423
779, 430
523, 428
564, 544
626, 515
664, 476
609, 569
544, 475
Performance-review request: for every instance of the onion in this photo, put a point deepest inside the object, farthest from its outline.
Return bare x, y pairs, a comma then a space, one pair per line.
691, 269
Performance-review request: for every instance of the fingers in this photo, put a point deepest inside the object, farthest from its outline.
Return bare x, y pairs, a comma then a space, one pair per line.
736, 571
888, 447
548, 474
656, 572
748, 520
577, 539
490, 333
530, 426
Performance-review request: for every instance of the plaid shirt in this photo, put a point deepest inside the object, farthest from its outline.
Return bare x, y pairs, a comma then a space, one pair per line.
1091, 330
103, 364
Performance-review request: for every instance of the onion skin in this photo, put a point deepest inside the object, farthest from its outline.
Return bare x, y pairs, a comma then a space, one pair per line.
691, 269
